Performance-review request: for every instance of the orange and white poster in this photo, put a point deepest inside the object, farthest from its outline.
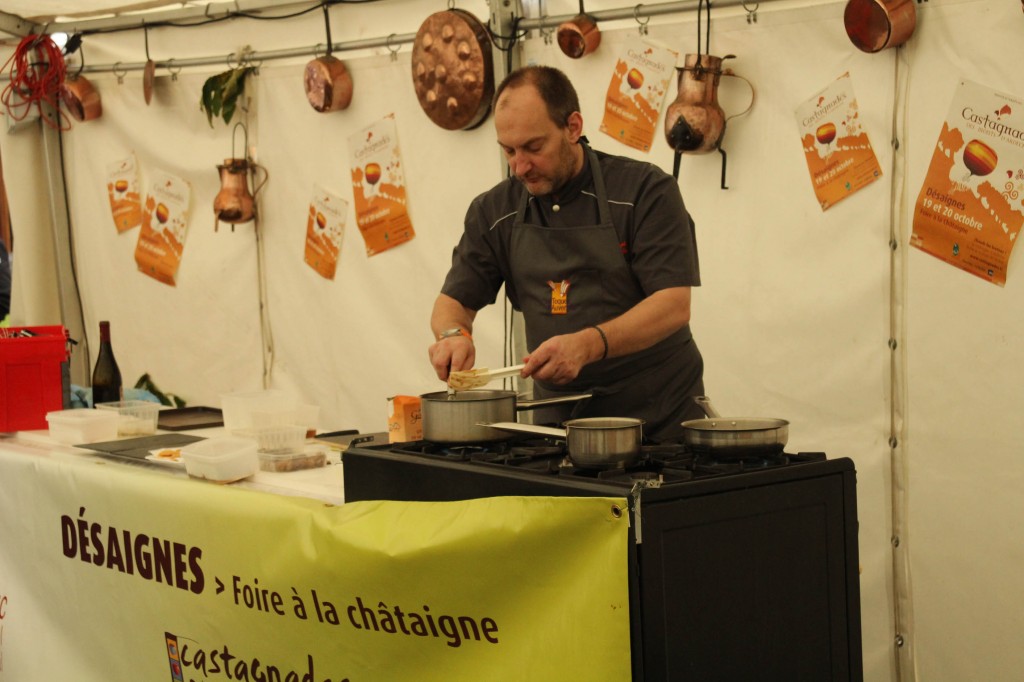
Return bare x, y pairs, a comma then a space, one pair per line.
123, 193
636, 93
325, 228
839, 155
164, 223
970, 208
378, 185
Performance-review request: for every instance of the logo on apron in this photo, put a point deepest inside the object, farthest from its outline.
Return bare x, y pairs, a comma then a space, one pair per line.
559, 297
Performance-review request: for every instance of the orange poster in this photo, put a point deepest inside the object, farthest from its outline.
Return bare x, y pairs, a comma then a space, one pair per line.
970, 208
839, 155
123, 193
325, 228
636, 92
378, 185
164, 223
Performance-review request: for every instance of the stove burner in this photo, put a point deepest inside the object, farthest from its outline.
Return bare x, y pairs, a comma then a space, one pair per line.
537, 450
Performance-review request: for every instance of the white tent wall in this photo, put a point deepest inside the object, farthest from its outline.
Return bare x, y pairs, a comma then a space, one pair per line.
793, 316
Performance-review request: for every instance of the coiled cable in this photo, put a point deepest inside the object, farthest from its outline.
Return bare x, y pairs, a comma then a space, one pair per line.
37, 73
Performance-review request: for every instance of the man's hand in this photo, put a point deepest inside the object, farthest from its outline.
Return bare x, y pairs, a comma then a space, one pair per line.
451, 355
560, 359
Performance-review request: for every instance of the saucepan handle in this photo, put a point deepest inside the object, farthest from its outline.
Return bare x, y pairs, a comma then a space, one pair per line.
704, 403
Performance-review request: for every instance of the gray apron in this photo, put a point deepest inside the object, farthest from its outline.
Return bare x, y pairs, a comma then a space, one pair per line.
569, 278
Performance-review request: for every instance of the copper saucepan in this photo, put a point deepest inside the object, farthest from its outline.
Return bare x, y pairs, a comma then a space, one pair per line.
81, 98
328, 84
874, 25
579, 36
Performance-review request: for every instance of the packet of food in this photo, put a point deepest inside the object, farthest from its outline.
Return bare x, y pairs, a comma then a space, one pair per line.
405, 419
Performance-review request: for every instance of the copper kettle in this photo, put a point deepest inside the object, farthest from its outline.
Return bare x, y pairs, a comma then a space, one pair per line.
235, 203
695, 121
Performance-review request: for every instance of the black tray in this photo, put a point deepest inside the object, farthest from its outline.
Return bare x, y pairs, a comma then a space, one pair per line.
139, 448
185, 418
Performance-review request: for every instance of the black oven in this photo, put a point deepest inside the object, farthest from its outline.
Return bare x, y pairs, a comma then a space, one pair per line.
744, 570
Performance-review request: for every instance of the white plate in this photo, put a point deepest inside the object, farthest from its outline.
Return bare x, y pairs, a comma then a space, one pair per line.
175, 461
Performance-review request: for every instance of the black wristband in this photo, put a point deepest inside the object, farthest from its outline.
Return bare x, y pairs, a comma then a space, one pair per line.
604, 340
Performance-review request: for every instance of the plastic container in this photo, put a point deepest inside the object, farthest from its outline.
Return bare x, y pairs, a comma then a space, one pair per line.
137, 417
276, 440
253, 408
310, 457
223, 459
31, 376
75, 427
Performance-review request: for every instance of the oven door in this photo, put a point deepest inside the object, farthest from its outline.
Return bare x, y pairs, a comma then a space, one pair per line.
753, 577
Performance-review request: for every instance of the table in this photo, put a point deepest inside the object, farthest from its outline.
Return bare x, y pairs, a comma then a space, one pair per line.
115, 571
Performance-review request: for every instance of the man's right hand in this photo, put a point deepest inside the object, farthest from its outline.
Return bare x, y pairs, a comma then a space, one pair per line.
452, 354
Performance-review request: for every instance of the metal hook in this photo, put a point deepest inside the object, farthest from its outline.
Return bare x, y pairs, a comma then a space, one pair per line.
751, 13
327, 26
231, 64
392, 50
247, 60
245, 140
643, 24
145, 34
174, 71
119, 72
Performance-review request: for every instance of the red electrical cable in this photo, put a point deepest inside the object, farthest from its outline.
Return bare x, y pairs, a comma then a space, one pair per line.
34, 82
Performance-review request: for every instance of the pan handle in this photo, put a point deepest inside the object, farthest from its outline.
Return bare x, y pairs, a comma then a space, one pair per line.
704, 403
557, 400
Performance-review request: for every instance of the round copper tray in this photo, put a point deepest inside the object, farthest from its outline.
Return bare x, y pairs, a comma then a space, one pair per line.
451, 69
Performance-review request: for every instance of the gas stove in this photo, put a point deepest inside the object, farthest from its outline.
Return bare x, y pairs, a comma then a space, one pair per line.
763, 548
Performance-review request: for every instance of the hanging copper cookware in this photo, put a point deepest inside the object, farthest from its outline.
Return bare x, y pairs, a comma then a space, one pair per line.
874, 25
81, 98
579, 36
327, 82
235, 203
451, 69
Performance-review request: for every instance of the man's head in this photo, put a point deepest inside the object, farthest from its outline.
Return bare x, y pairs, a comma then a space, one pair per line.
537, 117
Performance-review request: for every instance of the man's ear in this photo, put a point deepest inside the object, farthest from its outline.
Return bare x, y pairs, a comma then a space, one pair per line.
574, 126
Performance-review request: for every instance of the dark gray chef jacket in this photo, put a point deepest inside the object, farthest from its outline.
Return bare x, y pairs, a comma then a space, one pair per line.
618, 233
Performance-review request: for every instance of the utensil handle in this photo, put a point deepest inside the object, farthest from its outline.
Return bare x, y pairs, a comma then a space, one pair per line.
704, 403
505, 372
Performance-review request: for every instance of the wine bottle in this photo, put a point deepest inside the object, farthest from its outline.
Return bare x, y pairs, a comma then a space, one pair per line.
106, 377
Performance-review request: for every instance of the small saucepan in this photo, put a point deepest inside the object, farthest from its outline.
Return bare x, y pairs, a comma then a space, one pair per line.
728, 437
593, 442
579, 36
463, 416
874, 25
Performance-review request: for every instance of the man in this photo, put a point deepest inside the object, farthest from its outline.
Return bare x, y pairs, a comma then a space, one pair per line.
599, 254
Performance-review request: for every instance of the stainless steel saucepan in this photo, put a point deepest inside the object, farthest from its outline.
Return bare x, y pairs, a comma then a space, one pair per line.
593, 442
463, 416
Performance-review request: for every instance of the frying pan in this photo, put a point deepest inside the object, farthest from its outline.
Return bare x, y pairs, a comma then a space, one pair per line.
734, 436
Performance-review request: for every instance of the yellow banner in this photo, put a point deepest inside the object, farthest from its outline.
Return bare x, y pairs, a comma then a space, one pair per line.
109, 572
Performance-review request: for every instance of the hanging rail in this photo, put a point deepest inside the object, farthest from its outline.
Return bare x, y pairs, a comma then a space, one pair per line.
394, 40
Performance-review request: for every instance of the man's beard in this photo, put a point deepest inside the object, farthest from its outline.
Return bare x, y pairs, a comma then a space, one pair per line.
561, 174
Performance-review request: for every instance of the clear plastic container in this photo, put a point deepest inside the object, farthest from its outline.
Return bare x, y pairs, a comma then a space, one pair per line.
245, 410
276, 440
76, 427
223, 459
310, 457
138, 417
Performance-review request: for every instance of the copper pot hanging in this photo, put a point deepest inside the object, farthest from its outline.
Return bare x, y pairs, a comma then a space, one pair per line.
235, 203
81, 98
874, 25
327, 82
451, 69
579, 36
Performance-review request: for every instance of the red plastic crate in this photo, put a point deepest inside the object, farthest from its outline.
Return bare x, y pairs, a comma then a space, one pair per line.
31, 382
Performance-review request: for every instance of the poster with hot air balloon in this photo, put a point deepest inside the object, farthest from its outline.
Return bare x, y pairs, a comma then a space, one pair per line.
325, 229
971, 207
637, 91
164, 223
123, 193
378, 186
839, 155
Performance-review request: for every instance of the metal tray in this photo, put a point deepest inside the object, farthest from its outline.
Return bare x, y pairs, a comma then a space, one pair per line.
185, 418
139, 448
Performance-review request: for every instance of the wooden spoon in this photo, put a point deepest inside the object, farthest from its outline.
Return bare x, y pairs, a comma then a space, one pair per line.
475, 378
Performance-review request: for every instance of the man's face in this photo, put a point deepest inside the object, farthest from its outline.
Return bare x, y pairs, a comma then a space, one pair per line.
541, 154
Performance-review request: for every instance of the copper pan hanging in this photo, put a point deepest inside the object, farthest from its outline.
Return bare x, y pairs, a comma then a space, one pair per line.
874, 25
579, 36
451, 69
81, 99
326, 80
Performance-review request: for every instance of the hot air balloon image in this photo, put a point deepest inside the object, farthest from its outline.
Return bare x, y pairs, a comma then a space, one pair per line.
371, 173
825, 134
979, 158
635, 79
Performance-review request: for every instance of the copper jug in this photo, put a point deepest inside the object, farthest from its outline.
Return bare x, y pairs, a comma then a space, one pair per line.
695, 121
235, 203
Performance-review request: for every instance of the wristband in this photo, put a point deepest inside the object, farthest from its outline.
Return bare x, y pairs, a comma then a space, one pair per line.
604, 340
456, 331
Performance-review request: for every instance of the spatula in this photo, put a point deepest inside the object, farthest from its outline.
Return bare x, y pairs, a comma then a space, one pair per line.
481, 376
